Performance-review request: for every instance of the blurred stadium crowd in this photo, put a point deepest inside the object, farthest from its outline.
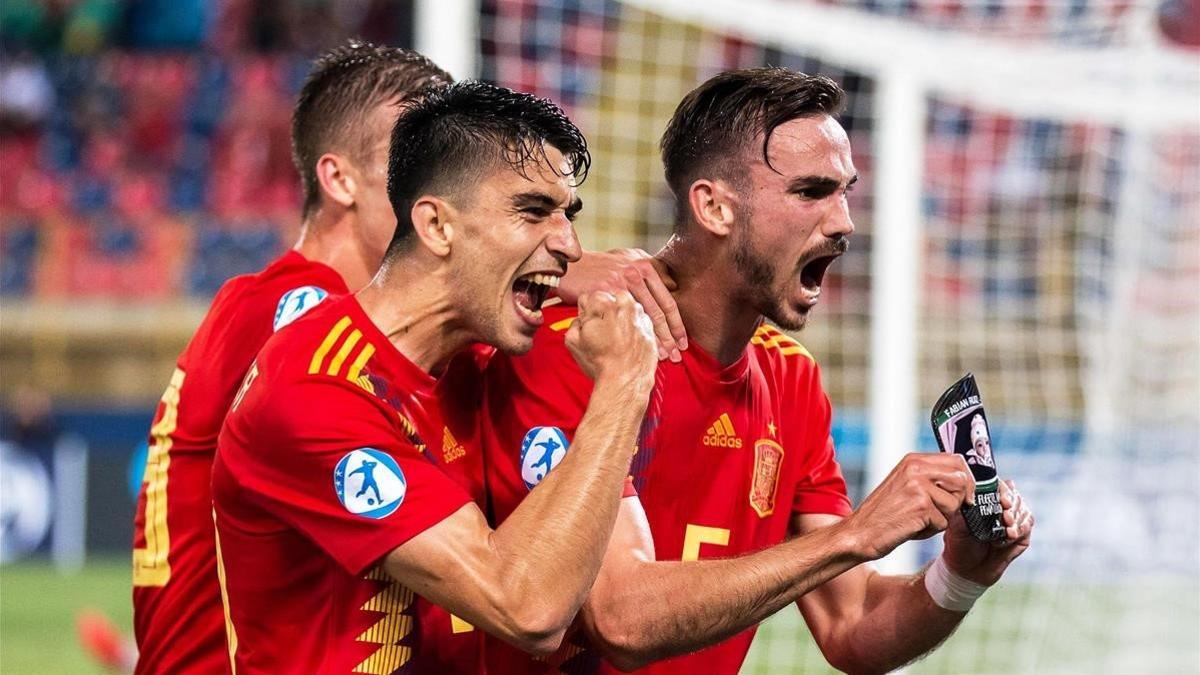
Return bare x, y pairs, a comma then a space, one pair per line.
145, 144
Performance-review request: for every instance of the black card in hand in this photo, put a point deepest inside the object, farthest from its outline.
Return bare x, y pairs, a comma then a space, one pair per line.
960, 426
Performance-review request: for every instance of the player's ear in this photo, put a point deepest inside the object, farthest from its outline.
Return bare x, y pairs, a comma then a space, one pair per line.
432, 220
712, 205
336, 181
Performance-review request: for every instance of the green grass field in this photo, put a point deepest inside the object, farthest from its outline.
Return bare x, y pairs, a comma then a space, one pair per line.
38, 608
1016, 628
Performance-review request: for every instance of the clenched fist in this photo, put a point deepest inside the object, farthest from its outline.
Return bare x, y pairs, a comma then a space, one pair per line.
918, 499
613, 341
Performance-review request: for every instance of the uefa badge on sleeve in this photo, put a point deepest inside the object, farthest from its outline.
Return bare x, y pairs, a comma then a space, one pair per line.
296, 303
541, 450
369, 483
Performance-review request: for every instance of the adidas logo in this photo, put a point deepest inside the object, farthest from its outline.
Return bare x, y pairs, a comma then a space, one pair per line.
721, 434
451, 449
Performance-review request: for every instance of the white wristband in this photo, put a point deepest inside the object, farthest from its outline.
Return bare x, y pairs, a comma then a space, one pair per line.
950, 591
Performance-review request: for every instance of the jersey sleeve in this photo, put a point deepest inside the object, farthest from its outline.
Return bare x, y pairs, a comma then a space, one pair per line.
543, 388
334, 465
821, 487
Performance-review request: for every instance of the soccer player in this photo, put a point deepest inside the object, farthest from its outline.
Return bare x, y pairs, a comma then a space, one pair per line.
319, 564
742, 500
340, 134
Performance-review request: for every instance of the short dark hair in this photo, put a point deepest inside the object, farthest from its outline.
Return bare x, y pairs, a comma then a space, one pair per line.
347, 83
459, 131
717, 121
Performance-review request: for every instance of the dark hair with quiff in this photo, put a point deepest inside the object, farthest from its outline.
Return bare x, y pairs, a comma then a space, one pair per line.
717, 123
444, 142
345, 85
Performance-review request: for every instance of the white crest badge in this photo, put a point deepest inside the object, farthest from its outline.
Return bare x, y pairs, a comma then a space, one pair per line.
369, 483
541, 451
295, 303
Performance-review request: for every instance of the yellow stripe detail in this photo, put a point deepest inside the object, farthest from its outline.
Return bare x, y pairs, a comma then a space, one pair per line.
773, 341
365, 382
231, 639
560, 326
786, 344
798, 349
713, 431
359, 363
765, 331
393, 601
314, 366
457, 625
338, 359
152, 564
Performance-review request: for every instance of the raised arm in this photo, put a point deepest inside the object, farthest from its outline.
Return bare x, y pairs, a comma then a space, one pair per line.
641, 610
525, 581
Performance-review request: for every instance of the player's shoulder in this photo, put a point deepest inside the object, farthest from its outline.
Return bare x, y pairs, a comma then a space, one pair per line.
779, 352
333, 342
279, 293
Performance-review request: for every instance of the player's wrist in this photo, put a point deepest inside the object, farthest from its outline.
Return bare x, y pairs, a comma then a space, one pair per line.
860, 542
948, 590
633, 391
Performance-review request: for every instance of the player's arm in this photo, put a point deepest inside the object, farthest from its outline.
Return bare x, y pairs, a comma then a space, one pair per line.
641, 610
868, 622
525, 581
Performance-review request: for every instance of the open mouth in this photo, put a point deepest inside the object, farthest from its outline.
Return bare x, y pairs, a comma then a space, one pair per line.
813, 272
530, 291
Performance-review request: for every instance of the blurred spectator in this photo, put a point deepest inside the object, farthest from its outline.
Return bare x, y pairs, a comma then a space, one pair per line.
26, 94
28, 421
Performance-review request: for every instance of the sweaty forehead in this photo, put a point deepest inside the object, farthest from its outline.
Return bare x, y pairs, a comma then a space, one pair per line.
810, 146
541, 174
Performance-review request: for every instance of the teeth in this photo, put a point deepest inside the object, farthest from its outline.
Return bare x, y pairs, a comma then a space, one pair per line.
545, 280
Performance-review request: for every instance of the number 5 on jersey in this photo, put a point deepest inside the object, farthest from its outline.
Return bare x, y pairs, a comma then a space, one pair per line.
695, 535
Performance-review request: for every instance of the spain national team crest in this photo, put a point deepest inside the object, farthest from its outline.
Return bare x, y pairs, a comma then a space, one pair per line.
369, 483
541, 450
768, 458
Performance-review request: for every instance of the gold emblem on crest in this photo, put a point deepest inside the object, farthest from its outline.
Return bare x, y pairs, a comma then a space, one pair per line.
768, 458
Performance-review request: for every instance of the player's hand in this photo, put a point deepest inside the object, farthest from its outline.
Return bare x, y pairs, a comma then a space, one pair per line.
984, 562
613, 342
645, 277
919, 498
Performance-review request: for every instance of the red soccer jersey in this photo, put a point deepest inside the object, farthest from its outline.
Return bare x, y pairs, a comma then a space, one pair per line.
724, 460
321, 471
177, 613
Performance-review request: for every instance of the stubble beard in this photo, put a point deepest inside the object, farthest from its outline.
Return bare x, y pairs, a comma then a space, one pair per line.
758, 277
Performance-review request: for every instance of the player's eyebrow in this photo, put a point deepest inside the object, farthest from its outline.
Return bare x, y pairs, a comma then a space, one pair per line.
819, 183
528, 199
525, 200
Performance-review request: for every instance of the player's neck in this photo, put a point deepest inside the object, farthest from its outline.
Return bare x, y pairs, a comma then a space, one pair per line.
410, 303
335, 240
715, 319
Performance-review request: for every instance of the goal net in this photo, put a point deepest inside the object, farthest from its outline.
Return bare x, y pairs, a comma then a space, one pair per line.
1045, 182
